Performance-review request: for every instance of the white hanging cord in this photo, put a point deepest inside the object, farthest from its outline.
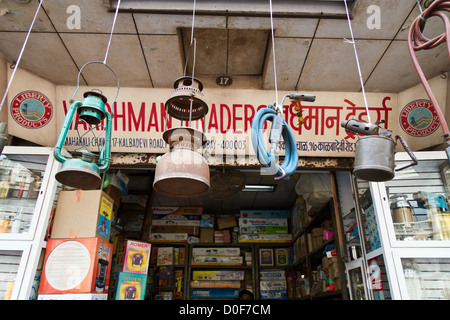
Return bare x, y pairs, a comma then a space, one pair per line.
112, 29
16, 66
273, 53
357, 62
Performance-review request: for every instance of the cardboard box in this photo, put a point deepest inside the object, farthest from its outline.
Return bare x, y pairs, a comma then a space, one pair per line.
172, 212
76, 266
215, 284
165, 256
82, 214
281, 257
255, 222
265, 214
225, 223
215, 293
132, 256
216, 252
264, 229
270, 238
206, 235
207, 221
226, 261
218, 275
168, 237
74, 296
131, 286
190, 230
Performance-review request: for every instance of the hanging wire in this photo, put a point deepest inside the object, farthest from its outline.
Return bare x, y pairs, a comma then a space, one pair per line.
357, 61
112, 30
273, 53
16, 66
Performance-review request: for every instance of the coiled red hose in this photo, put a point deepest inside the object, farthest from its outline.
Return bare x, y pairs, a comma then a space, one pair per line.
417, 41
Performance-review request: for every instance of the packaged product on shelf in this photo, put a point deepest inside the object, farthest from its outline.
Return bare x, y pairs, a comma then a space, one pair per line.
218, 275
74, 296
82, 214
165, 256
164, 277
226, 222
215, 284
207, 221
168, 237
179, 276
264, 230
281, 257
215, 293
131, 286
255, 222
207, 260
164, 296
266, 257
206, 235
273, 285
91, 257
216, 251
270, 238
265, 214
177, 213
132, 256
218, 237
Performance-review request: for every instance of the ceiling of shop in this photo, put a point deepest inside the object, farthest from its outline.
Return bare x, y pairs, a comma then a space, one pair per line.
149, 47
283, 197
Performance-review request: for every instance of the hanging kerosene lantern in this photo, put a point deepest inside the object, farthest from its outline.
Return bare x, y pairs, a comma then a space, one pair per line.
81, 168
183, 172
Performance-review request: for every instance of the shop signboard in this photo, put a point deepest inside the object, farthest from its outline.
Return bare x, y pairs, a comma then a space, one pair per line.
140, 120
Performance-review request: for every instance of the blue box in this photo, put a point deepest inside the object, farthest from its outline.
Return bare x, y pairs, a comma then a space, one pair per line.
215, 293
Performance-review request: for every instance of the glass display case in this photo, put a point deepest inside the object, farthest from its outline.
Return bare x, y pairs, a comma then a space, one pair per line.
27, 192
413, 216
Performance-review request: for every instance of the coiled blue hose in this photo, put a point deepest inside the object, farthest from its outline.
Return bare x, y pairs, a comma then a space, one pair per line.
267, 159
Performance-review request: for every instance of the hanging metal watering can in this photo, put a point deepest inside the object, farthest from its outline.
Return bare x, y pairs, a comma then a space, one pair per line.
375, 152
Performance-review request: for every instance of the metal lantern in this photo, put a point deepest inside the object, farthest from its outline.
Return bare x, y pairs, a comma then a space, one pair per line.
81, 168
186, 100
182, 172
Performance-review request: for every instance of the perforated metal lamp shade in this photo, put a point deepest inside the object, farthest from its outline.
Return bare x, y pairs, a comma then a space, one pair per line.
83, 171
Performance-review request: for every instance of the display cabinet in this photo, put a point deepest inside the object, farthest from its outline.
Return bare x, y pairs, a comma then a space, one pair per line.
412, 213
27, 193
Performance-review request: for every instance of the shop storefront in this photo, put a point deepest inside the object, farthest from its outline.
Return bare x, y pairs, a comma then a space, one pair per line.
315, 233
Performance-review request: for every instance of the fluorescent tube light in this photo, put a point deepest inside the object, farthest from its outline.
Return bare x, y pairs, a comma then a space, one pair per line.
259, 188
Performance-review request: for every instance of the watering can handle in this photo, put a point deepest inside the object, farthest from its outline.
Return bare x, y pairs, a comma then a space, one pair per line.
408, 150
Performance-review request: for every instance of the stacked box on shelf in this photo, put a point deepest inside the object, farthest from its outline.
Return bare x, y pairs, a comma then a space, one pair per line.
216, 284
90, 256
181, 222
217, 256
273, 285
130, 269
264, 226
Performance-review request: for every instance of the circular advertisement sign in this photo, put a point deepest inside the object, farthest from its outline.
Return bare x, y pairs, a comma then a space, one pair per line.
31, 109
419, 118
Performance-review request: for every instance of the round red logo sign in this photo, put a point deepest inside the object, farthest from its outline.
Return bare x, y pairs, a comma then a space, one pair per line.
419, 118
31, 109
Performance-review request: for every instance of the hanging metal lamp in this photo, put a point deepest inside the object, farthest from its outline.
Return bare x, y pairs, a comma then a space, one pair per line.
182, 172
81, 168
186, 102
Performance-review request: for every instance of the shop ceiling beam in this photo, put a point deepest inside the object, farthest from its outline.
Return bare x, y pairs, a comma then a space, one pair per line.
146, 160
283, 8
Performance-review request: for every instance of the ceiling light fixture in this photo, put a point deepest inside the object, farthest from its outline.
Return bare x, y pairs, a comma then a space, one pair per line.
259, 188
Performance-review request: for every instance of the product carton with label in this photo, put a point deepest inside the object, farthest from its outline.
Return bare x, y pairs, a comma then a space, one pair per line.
217, 252
215, 293
76, 266
168, 237
131, 286
74, 296
256, 222
218, 275
82, 214
271, 238
265, 214
208, 260
132, 256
